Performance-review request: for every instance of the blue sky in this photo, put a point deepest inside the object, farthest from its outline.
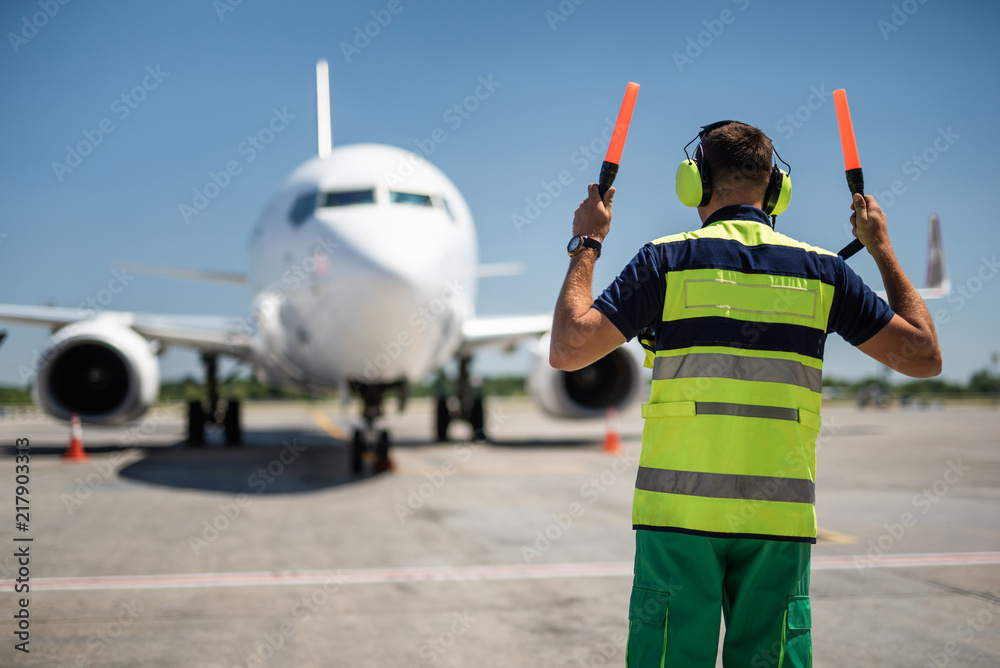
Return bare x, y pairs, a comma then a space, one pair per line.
199, 77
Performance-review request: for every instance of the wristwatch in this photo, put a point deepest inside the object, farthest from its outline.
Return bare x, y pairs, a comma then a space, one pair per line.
579, 242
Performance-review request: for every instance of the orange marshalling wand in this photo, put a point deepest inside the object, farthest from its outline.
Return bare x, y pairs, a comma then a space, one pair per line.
609, 170
852, 163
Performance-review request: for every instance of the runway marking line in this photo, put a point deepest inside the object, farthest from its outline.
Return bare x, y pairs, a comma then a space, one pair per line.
327, 425
458, 573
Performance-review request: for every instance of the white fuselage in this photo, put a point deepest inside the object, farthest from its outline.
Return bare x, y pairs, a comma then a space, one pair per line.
363, 268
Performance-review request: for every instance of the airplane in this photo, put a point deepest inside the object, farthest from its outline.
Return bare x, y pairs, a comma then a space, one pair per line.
363, 270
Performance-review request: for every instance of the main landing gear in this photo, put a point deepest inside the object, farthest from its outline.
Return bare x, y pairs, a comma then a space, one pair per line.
368, 438
467, 405
199, 414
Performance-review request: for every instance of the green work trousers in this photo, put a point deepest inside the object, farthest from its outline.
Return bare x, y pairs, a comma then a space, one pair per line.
681, 582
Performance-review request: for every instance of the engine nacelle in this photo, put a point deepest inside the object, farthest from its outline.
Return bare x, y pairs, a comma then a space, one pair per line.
612, 381
100, 369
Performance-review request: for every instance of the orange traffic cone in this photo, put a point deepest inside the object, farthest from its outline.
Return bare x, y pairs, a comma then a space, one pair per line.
75, 450
612, 439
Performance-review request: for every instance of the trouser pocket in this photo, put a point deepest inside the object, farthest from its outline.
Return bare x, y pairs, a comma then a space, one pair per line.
797, 634
647, 626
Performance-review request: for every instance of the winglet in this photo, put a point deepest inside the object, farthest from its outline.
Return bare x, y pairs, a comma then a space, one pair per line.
937, 276
938, 284
324, 129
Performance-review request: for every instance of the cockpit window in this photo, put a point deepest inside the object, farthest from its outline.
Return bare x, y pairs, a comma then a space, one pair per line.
349, 198
409, 198
303, 207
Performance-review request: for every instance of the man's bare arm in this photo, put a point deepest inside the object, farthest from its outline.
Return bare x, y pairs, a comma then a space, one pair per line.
581, 334
908, 343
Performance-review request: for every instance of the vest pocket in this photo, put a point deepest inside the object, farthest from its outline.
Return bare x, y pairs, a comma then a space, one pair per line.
797, 634
647, 626
811, 420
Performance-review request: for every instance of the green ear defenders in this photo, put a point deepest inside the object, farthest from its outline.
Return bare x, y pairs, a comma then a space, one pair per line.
694, 184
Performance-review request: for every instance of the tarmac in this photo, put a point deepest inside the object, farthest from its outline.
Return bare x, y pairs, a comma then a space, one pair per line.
513, 553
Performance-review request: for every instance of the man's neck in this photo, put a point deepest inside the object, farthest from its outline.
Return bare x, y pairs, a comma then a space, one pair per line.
704, 212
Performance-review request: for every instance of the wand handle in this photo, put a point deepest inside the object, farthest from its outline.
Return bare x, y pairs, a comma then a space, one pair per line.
856, 182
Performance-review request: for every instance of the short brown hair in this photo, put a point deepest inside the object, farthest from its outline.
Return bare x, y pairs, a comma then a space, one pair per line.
738, 157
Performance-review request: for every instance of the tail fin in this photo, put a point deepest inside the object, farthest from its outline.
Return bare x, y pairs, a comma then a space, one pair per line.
324, 129
938, 283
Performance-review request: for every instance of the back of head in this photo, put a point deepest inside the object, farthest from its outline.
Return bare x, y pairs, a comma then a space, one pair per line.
738, 158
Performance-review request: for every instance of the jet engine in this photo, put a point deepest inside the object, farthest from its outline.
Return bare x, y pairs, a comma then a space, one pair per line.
100, 369
612, 381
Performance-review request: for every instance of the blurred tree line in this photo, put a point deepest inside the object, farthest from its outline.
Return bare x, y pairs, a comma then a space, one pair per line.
982, 383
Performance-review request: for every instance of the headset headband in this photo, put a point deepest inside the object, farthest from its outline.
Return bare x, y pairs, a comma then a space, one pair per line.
693, 183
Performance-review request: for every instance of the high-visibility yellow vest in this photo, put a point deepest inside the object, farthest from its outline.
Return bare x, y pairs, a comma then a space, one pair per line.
729, 442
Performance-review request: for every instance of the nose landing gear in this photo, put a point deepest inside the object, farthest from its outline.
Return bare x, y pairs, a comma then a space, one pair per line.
369, 439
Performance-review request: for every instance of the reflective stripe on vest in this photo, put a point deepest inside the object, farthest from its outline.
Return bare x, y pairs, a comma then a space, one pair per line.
729, 441
726, 486
719, 365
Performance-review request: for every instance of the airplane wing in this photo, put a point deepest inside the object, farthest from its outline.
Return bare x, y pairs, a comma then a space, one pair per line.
211, 334
502, 332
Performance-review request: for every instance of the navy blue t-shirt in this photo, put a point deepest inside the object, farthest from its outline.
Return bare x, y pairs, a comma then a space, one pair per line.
634, 301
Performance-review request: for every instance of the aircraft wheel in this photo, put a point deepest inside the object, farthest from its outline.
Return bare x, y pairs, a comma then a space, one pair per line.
234, 434
196, 423
357, 450
443, 418
382, 461
382, 446
478, 420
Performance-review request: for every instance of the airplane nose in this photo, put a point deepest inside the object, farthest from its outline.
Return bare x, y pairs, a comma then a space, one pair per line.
385, 306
